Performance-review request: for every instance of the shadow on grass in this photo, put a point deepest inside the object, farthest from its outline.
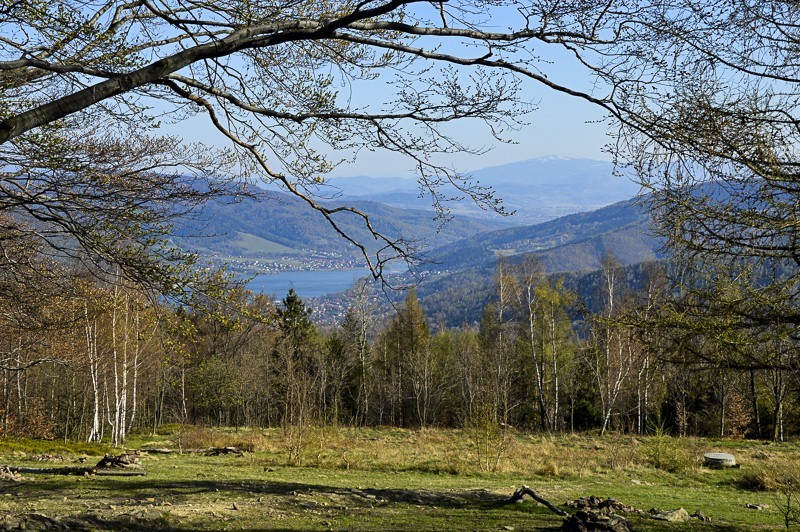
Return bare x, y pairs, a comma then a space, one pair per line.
142, 503
143, 488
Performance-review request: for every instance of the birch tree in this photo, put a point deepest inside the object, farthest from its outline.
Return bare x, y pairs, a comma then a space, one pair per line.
356, 329
530, 277
497, 341
612, 350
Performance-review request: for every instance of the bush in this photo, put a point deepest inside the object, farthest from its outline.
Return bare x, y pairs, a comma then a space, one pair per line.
775, 476
783, 479
662, 451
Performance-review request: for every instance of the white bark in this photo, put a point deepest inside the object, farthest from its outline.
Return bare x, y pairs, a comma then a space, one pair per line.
90, 327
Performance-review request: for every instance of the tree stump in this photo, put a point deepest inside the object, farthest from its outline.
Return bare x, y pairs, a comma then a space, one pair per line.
719, 460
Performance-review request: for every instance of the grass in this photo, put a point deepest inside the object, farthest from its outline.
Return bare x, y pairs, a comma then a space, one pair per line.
252, 244
392, 479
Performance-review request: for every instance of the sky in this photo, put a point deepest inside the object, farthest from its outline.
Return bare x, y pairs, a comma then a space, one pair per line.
561, 125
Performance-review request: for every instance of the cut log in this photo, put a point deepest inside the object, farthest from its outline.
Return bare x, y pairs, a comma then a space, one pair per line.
122, 461
124, 465
120, 472
166, 450
7, 474
525, 490
79, 471
216, 451
607, 506
161, 450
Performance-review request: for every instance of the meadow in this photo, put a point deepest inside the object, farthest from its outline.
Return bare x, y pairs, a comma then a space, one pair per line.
395, 479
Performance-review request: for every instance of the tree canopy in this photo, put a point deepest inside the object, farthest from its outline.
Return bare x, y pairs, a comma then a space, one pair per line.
717, 146
697, 92
85, 85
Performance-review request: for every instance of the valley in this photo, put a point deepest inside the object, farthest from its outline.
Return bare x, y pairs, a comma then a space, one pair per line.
567, 211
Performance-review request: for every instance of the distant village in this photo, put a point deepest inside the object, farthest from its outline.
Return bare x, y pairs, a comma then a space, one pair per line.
314, 260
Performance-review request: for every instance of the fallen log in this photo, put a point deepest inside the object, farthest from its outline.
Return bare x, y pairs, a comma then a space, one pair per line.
160, 450
166, 450
216, 451
81, 471
208, 451
120, 473
124, 465
525, 490
124, 461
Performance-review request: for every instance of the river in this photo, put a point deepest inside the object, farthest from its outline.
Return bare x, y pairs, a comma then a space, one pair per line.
312, 283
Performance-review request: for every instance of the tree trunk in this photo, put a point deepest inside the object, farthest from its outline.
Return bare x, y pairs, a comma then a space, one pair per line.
754, 397
95, 432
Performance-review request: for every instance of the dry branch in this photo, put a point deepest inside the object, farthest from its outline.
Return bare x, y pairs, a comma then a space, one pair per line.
525, 490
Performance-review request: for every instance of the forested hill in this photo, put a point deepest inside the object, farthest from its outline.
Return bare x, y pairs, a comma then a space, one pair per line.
286, 229
458, 287
282, 225
570, 243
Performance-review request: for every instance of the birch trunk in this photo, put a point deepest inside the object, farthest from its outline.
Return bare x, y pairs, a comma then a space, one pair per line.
95, 432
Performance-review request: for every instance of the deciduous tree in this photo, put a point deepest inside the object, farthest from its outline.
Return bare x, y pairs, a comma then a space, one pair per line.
84, 85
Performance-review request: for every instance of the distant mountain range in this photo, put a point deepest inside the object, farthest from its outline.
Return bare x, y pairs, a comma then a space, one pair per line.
538, 189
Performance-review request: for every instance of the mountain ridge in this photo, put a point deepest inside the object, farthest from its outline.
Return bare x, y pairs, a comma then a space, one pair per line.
281, 225
538, 189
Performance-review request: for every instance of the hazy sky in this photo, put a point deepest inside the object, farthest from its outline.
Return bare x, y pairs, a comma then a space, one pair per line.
561, 125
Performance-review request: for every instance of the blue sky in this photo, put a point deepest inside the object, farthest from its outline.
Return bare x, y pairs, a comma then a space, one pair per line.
561, 125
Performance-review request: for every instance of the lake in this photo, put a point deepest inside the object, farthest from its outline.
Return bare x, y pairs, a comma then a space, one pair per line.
312, 283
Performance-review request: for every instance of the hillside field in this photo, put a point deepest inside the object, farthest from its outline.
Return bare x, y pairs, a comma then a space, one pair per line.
395, 479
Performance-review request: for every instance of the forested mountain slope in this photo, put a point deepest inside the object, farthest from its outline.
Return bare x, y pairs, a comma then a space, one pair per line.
569, 243
283, 225
461, 282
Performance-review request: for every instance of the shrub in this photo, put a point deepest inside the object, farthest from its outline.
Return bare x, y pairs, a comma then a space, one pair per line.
662, 451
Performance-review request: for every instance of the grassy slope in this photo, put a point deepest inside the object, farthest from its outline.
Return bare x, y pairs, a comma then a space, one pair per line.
392, 479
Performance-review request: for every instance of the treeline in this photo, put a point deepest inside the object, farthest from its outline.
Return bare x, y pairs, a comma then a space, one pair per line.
91, 357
